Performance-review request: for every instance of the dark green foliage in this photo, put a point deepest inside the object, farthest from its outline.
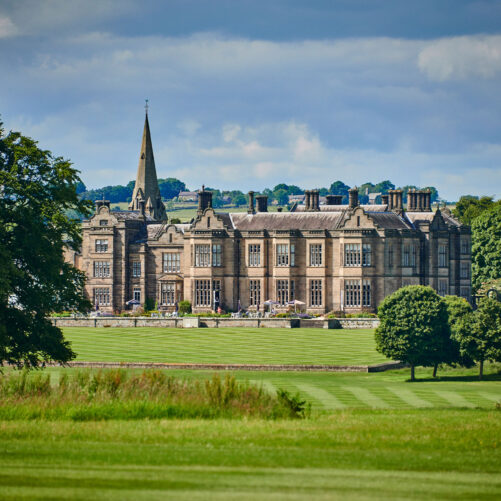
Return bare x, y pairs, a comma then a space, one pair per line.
383, 187
38, 192
457, 310
469, 207
114, 194
486, 246
149, 304
414, 327
291, 189
184, 307
297, 407
175, 220
169, 188
339, 188
281, 196
80, 188
479, 333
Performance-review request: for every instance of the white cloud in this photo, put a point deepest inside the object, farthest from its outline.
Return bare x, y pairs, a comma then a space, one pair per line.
240, 113
460, 58
7, 27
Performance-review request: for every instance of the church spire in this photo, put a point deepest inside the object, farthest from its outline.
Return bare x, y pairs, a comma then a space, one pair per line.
146, 189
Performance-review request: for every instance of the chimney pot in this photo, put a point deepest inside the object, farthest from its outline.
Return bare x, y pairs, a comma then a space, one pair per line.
251, 209
262, 203
353, 197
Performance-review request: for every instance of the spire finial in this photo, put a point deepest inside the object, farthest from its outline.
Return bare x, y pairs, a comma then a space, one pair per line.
146, 107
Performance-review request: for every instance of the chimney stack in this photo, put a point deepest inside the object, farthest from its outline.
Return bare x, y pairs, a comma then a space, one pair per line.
204, 200
411, 200
315, 200
251, 209
427, 200
307, 200
334, 199
353, 197
396, 199
262, 203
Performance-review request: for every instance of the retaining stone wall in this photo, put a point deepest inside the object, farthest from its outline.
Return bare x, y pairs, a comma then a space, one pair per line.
288, 323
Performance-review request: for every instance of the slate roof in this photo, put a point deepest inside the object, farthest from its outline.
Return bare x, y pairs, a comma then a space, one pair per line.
450, 220
389, 220
286, 221
153, 230
337, 208
129, 215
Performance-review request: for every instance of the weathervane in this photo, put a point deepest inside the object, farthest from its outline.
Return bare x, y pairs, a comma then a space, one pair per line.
146, 107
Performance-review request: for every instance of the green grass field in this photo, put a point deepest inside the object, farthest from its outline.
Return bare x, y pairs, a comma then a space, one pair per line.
326, 391
239, 345
370, 435
418, 454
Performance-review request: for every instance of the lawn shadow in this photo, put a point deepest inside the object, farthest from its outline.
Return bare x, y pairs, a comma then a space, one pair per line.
470, 377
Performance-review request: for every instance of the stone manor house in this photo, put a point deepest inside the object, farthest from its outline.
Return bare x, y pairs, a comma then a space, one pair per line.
331, 257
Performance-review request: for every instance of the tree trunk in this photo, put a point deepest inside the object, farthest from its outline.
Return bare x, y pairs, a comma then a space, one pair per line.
412, 373
435, 367
481, 373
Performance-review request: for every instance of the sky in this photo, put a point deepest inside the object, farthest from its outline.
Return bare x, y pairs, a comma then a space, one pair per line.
246, 94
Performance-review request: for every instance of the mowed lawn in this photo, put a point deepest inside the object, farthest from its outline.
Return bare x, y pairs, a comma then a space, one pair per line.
331, 391
370, 454
226, 345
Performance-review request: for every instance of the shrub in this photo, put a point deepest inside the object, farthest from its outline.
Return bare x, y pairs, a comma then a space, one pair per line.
297, 408
184, 307
149, 304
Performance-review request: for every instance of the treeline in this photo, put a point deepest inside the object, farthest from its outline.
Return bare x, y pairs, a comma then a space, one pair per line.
170, 188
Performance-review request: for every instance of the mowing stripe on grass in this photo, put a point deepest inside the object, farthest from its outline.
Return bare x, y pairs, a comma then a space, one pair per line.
454, 398
267, 386
326, 399
367, 397
409, 397
239, 345
490, 396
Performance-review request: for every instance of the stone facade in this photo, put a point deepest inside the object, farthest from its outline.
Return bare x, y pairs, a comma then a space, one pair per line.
329, 257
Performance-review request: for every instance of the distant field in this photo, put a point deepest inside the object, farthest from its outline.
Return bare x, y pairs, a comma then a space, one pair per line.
239, 345
369, 454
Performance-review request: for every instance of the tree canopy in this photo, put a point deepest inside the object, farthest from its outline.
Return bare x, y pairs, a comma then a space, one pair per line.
479, 333
470, 207
414, 327
486, 246
37, 193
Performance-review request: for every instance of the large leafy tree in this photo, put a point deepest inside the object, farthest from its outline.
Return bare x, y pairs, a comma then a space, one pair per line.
457, 310
470, 207
486, 247
414, 327
479, 333
37, 191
